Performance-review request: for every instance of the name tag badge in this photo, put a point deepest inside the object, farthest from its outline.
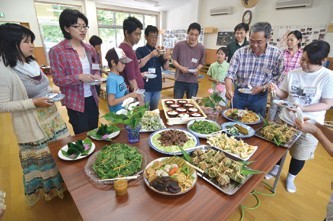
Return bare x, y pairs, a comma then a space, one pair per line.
151, 70
194, 60
95, 67
266, 70
309, 90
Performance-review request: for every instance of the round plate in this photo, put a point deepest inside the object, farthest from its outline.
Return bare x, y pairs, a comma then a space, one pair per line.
199, 134
95, 82
54, 97
174, 150
150, 76
94, 136
245, 90
194, 175
65, 148
194, 70
284, 103
237, 120
250, 130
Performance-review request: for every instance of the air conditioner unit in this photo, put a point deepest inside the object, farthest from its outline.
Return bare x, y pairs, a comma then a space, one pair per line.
282, 4
221, 11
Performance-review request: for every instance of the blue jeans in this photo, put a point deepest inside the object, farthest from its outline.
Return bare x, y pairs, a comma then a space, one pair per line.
256, 103
180, 88
153, 98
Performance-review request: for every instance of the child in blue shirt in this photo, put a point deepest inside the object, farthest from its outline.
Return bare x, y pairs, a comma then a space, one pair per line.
116, 88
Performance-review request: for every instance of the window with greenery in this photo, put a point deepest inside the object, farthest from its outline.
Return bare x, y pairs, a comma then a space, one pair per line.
110, 27
48, 20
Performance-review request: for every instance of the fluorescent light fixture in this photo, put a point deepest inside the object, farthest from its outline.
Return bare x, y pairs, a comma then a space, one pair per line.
153, 2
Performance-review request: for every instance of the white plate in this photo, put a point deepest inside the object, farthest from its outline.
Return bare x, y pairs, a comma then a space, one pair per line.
237, 120
140, 91
112, 135
194, 70
194, 175
245, 90
157, 114
199, 134
284, 103
95, 82
178, 152
65, 148
150, 76
250, 130
54, 97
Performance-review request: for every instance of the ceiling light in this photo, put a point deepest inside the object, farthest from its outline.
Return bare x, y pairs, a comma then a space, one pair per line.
153, 2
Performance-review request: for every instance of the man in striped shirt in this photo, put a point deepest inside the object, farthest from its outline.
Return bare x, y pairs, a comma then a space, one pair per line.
253, 67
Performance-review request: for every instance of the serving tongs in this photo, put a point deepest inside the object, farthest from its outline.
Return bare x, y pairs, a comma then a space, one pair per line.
122, 178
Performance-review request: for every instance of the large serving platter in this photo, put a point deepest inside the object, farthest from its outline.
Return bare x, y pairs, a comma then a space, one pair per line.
256, 118
296, 135
182, 162
202, 135
231, 146
249, 129
174, 150
96, 180
228, 189
152, 121
181, 120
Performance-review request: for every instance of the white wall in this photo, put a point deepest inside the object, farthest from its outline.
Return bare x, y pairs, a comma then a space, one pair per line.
21, 11
320, 13
182, 16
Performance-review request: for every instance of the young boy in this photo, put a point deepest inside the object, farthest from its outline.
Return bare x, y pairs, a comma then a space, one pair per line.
115, 84
218, 70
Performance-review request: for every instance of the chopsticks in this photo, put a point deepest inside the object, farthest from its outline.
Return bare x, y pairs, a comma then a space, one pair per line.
121, 178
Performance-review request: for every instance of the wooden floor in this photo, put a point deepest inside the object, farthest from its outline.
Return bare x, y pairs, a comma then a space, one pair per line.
308, 203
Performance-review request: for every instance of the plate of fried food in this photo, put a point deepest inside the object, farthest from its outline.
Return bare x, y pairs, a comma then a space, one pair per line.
243, 116
170, 176
230, 145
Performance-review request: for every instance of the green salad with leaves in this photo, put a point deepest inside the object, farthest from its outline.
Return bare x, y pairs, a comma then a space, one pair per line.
117, 160
204, 127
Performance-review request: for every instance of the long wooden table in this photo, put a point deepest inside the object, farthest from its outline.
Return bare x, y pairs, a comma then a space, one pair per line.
203, 202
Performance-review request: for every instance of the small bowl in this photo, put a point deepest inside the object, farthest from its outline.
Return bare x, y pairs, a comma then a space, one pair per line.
169, 102
174, 106
196, 114
183, 115
181, 110
188, 105
182, 102
193, 110
172, 113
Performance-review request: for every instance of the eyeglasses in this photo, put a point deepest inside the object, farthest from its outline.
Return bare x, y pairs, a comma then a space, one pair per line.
80, 27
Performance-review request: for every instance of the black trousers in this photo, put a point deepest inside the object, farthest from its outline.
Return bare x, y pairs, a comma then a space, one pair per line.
86, 121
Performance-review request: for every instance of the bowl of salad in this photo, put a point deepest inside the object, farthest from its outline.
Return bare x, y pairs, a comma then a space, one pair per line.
203, 128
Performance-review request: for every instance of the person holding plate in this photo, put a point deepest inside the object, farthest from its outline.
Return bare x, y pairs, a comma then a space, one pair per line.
152, 60
116, 88
188, 58
75, 70
36, 121
253, 67
310, 88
